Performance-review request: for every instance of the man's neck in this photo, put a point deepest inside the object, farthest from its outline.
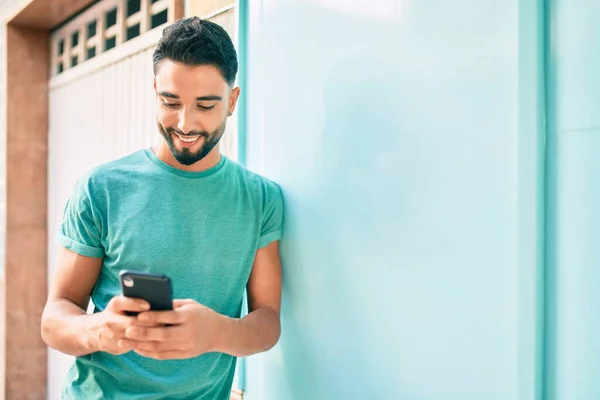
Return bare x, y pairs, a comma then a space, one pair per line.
211, 159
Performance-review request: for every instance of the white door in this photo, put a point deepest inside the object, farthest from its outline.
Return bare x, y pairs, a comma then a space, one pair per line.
102, 105
100, 110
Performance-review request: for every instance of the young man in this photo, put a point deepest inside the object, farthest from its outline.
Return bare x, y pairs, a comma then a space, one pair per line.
181, 209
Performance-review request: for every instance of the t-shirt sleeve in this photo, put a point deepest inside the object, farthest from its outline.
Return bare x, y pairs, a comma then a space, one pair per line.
272, 218
80, 230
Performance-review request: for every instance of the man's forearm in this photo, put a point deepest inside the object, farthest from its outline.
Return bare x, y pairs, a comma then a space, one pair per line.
65, 328
256, 332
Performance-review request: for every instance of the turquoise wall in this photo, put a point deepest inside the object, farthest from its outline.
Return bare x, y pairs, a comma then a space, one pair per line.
437, 165
573, 195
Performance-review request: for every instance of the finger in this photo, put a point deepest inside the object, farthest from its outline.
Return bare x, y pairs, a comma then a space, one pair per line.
117, 323
165, 355
137, 322
160, 334
163, 317
126, 345
182, 302
121, 304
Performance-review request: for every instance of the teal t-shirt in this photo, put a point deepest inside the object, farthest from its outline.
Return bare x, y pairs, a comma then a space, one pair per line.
202, 229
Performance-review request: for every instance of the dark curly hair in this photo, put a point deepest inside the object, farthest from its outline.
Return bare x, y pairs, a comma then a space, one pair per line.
194, 41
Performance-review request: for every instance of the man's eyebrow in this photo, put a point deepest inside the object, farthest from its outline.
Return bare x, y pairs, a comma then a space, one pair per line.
201, 98
169, 95
209, 98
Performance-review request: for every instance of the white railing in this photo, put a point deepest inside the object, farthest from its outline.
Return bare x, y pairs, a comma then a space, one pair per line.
104, 26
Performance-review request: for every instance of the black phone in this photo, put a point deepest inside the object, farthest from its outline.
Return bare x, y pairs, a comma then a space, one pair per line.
156, 289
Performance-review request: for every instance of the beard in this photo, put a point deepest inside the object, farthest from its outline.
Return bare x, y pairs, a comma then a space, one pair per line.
186, 156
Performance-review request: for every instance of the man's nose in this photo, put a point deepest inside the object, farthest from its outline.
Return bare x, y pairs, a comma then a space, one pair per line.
186, 121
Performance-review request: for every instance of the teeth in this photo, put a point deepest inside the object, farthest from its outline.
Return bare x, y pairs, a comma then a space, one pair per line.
188, 140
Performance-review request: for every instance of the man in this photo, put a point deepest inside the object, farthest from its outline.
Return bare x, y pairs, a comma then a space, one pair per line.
181, 209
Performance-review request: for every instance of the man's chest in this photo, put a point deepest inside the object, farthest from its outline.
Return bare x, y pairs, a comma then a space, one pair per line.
182, 232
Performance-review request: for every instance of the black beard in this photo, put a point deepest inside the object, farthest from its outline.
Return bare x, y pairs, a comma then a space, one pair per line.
185, 156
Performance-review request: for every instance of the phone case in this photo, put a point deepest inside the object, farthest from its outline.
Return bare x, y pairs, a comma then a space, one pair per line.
156, 289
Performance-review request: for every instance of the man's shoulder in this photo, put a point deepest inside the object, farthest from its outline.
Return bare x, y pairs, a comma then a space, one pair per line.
254, 180
125, 163
99, 176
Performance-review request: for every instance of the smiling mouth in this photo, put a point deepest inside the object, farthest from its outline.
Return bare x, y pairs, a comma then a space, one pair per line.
188, 139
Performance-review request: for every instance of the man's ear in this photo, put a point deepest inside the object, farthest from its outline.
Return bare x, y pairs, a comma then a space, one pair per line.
233, 99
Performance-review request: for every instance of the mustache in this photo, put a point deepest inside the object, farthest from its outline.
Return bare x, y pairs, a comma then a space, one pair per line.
189, 134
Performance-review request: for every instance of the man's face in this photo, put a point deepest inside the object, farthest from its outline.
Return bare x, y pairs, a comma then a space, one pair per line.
193, 105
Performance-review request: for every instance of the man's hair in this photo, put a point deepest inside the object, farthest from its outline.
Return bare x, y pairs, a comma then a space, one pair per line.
194, 41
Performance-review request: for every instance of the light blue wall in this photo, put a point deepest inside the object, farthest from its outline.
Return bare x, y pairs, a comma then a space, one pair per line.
573, 211
412, 182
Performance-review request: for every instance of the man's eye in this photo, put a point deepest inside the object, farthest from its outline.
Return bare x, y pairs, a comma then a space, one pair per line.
170, 105
205, 108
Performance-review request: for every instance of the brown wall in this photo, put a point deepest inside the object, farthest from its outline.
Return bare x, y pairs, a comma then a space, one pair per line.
26, 159
26, 99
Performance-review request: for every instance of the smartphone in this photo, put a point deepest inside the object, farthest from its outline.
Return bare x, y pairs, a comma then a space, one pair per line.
156, 289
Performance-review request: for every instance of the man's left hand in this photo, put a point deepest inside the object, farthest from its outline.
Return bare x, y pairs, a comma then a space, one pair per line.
194, 331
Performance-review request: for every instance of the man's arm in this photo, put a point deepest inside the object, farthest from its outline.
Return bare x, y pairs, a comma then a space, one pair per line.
66, 326
64, 317
260, 329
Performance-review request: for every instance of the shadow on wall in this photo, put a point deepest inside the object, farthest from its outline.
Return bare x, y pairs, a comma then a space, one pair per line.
360, 156
328, 346
327, 350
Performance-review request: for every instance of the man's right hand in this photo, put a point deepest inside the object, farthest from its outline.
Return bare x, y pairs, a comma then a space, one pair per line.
108, 327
